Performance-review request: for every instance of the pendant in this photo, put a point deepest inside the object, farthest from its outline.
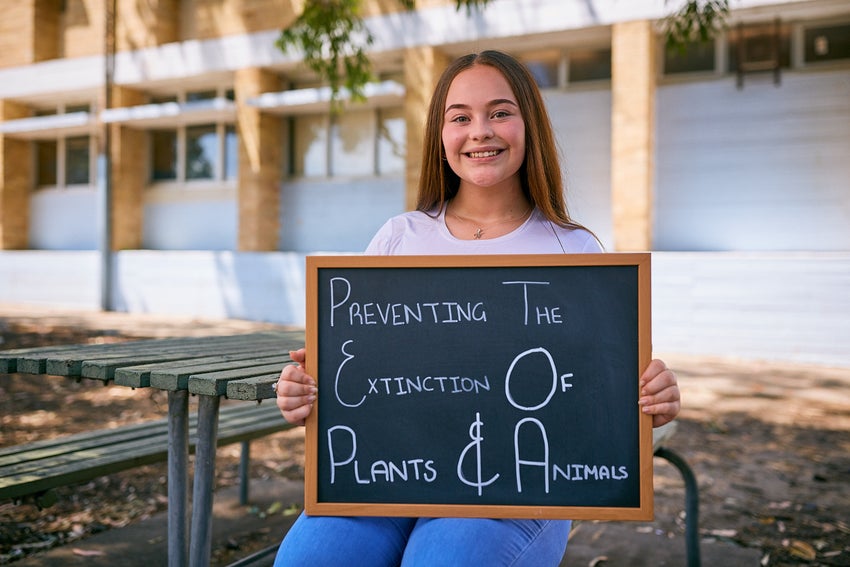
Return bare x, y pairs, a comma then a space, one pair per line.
477, 234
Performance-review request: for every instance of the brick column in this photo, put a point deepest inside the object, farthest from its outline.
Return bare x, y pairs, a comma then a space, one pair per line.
259, 164
422, 69
632, 133
129, 174
16, 179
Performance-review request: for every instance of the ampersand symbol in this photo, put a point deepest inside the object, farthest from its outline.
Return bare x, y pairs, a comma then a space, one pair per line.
477, 438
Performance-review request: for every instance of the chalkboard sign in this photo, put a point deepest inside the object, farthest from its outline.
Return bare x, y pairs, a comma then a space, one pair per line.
479, 386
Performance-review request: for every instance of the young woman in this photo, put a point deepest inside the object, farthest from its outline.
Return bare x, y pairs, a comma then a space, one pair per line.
490, 184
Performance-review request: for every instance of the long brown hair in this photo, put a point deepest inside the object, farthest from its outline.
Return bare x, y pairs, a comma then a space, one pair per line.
540, 173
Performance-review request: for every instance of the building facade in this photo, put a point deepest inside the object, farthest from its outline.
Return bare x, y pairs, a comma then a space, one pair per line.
167, 156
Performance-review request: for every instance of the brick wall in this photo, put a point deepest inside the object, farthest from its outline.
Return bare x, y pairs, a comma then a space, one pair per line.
16, 33
15, 181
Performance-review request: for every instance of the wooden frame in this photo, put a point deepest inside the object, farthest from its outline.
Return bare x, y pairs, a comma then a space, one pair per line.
638, 427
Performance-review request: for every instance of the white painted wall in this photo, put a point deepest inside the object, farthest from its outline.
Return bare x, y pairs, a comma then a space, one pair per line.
190, 218
64, 219
754, 305
254, 286
582, 123
339, 214
61, 279
762, 168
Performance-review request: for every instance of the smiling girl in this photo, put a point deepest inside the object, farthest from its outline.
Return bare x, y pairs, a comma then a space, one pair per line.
490, 184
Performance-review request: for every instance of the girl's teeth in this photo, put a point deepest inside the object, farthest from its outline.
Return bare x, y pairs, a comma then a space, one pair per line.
483, 154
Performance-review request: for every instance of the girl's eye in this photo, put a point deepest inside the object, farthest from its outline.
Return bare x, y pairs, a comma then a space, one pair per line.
460, 118
501, 114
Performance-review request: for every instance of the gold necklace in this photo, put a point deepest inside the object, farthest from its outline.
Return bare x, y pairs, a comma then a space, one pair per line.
479, 232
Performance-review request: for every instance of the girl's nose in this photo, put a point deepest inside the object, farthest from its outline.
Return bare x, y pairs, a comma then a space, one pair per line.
481, 130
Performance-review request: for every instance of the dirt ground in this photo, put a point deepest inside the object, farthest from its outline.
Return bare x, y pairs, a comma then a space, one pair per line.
769, 444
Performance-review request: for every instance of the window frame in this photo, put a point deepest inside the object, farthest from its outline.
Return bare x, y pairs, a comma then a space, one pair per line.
222, 128
61, 156
293, 168
799, 44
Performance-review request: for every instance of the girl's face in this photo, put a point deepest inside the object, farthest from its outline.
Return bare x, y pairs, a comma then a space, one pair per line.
483, 130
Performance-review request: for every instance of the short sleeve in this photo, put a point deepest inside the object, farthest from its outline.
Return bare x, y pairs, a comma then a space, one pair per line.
380, 243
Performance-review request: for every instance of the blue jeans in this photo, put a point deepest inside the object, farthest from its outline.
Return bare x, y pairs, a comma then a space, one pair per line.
328, 541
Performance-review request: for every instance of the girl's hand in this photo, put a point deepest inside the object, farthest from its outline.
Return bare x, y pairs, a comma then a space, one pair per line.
296, 390
659, 393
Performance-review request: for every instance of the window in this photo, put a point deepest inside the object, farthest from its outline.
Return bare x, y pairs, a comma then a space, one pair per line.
207, 151
64, 160
157, 99
77, 160
391, 141
200, 95
46, 155
164, 155
77, 108
826, 43
544, 67
357, 142
589, 65
758, 47
231, 153
353, 141
310, 157
694, 58
553, 68
201, 152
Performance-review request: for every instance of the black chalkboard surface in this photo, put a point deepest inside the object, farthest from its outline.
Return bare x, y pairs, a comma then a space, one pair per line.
479, 386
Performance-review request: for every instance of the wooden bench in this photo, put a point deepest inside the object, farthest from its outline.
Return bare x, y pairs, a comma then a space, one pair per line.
34, 470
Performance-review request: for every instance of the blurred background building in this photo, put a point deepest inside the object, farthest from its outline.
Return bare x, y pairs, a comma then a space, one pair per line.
220, 164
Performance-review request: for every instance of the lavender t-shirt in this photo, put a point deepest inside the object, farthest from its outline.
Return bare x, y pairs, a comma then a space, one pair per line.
417, 233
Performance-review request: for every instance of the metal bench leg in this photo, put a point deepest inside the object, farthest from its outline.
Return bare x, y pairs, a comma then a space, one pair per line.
691, 504
244, 464
178, 467
200, 548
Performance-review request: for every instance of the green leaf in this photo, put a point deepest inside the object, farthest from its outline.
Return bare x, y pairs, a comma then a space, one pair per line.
697, 21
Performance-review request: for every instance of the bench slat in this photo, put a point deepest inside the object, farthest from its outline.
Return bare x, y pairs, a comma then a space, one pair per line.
104, 368
230, 417
69, 444
179, 380
83, 458
34, 360
67, 358
235, 414
71, 363
255, 388
215, 383
140, 376
9, 358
